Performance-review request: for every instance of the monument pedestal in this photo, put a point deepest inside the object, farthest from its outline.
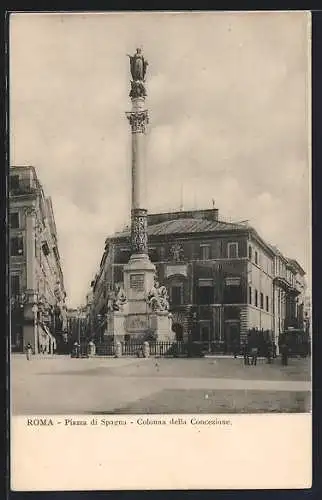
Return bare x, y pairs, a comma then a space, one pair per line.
132, 319
138, 319
138, 281
138, 277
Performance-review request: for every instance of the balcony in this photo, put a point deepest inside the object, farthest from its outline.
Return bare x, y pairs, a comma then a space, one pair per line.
22, 187
286, 285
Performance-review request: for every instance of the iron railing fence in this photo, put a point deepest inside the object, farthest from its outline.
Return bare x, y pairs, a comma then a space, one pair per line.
161, 349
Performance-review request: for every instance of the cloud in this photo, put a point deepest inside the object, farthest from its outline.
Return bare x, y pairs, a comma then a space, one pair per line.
228, 100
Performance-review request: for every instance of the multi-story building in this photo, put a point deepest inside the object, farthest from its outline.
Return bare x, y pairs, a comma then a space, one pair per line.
222, 277
308, 315
38, 310
289, 293
296, 302
102, 285
77, 324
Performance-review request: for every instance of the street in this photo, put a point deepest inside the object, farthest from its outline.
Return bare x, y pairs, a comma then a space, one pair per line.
61, 385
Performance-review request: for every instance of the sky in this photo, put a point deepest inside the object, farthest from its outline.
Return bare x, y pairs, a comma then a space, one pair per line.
228, 98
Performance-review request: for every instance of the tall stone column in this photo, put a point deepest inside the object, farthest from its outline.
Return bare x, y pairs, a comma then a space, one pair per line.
139, 272
139, 120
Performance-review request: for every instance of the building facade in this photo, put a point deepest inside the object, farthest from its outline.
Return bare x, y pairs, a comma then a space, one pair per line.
102, 286
221, 277
77, 325
289, 294
37, 293
308, 315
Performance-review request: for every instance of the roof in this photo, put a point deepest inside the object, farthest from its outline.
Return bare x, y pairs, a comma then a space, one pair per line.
295, 264
184, 226
291, 262
277, 252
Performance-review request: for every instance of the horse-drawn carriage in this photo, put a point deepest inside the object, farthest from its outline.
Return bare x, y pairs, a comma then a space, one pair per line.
296, 341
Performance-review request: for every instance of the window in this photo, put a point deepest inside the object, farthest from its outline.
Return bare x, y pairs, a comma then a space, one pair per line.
153, 254
232, 250
45, 248
204, 331
205, 292
205, 252
232, 281
176, 295
14, 220
123, 255
250, 252
15, 284
267, 304
256, 257
118, 274
14, 181
262, 301
233, 291
56, 253
162, 253
16, 246
256, 298
250, 295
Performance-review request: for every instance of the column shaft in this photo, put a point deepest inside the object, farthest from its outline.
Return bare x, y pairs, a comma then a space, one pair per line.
138, 171
138, 119
139, 230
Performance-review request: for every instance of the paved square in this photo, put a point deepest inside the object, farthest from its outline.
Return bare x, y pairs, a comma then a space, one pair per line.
62, 385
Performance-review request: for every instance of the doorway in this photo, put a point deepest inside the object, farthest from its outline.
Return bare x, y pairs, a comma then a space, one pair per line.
205, 331
232, 335
178, 330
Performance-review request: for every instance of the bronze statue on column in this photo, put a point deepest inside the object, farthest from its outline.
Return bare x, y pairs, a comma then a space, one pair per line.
138, 67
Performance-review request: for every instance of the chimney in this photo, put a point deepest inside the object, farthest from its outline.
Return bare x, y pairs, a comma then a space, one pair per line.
208, 214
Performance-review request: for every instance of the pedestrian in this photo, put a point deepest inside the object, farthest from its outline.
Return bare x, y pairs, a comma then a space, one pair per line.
245, 354
236, 349
274, 350
75, 350
284, 352
28, 351
269, 352
254, 354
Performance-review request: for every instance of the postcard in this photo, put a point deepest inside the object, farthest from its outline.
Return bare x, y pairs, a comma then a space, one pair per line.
160, 250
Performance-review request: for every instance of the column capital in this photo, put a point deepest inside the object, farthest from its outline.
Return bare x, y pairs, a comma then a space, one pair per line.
138, 121
139, 212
